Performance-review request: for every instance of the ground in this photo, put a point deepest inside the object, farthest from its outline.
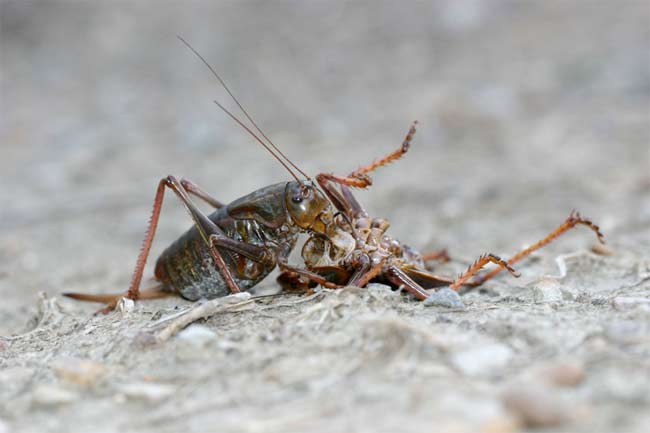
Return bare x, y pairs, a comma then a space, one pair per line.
526, 111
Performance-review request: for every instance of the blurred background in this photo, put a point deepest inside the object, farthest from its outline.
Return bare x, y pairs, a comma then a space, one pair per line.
526, 110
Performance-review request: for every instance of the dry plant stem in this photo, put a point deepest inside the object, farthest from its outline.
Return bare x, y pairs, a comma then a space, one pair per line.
202, 311
573, 220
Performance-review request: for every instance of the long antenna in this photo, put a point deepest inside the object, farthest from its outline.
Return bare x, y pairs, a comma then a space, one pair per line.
250, 119
256, 138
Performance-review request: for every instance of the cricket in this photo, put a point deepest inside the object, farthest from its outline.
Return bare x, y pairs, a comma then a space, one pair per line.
236, 246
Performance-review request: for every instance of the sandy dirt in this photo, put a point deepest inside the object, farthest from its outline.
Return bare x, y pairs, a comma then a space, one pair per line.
526, 110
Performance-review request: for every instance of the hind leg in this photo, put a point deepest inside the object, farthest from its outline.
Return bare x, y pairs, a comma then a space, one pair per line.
210, 233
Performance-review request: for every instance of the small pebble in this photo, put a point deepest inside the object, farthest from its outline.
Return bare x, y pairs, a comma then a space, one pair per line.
501, 424
50, 395
602, 250
197, 335
82, 372
566, 374
622, 303
547, 290
125, 306
484, 359
536, 406
569, 293
146, 391
445, 297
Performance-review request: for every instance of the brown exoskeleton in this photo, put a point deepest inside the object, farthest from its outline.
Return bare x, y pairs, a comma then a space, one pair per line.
236, 246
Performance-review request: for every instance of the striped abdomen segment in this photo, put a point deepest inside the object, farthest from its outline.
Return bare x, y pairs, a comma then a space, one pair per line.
187, 267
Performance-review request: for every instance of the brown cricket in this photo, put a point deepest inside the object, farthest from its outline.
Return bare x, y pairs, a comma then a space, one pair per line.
235, 247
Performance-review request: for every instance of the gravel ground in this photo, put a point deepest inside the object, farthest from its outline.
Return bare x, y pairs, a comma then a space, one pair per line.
527, 110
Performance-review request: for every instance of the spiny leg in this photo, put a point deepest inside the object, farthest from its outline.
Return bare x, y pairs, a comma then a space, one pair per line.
573, 220
202, 222
393, 156
343, 200
477, 266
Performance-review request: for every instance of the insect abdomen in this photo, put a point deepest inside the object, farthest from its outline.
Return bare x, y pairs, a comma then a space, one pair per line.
187, 267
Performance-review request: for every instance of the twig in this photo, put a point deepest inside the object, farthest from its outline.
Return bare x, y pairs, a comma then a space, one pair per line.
202, 311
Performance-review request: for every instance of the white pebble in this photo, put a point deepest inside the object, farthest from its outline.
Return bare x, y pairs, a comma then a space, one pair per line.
197, 335
146, 391
482, 360
547, 290
50, 395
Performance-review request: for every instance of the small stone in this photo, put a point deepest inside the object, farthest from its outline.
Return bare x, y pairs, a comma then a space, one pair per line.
564, 374
623, 303
125, 306
501, 424
144, 339
82, 372
547, 290
569, 294
146, 391
602, 250
445, 297
382, 293
536, 406
599, 300
50, 395
485, 359
197, 335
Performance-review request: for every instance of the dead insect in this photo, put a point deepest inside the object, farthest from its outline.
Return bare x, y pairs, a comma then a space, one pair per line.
240, 243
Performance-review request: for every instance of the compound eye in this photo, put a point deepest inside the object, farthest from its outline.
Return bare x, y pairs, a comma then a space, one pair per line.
297, 198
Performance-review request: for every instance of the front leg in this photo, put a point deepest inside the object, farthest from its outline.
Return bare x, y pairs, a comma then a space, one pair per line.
343, 200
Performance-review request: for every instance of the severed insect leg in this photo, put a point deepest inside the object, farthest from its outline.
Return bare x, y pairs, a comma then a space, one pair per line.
393, 156
401, 279
573, 220
344, 201
195, 190
477, 266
